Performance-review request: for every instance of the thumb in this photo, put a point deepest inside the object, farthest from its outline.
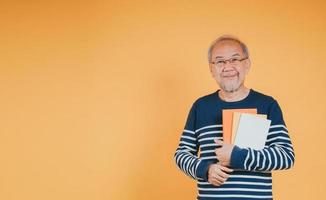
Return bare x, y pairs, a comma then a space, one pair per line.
218, 142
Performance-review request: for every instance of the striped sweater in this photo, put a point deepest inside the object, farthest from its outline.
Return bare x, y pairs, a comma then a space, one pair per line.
252, 177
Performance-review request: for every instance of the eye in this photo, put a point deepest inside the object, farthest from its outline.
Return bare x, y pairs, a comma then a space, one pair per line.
234, 60
220, 62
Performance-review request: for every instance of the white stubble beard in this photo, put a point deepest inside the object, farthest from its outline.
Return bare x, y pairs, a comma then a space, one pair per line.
231, 87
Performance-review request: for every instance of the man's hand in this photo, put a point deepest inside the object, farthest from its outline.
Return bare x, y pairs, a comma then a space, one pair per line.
217, 174
223, 153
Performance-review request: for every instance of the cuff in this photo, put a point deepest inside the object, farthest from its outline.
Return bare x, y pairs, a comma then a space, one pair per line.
202, 169
238, 157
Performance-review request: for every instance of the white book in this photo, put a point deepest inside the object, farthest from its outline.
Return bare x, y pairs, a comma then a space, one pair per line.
252, 131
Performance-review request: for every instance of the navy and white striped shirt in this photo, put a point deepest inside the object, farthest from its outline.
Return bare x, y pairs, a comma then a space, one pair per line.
251, 178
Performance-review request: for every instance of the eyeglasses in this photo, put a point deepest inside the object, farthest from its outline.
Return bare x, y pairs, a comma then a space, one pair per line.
232, 61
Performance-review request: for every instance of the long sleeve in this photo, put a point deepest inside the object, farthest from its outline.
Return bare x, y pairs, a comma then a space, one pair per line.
278, 152
186, 154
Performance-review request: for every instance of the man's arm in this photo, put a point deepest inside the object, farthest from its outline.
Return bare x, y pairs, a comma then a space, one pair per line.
186, 154
278, 153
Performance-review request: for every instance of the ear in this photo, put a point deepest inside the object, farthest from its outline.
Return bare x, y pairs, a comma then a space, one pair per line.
210, 66
247, 65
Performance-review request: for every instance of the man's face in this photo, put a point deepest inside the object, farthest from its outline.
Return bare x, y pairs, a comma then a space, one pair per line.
230, 77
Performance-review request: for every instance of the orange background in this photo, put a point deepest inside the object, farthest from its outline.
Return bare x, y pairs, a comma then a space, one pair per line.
94, 95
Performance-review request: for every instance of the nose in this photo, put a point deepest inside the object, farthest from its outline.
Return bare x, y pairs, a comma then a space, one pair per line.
228, 67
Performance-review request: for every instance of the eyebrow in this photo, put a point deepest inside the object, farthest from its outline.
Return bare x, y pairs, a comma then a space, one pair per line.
236, 54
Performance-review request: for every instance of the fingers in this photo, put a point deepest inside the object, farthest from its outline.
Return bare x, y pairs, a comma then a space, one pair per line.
213, 176
216, 179
226, 169
218, 142
221, 178
215, 182
217, 175
223, 175
218, 152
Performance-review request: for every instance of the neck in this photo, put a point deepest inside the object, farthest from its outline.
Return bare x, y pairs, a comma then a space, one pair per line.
238, 95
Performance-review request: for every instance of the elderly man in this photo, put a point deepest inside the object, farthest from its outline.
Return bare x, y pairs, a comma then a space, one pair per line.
226, 171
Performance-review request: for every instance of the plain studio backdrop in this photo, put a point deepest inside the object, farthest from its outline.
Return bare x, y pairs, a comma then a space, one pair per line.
94, 95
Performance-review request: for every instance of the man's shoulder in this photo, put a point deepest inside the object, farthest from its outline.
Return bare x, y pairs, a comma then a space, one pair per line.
206, 98
265, 101
263, 96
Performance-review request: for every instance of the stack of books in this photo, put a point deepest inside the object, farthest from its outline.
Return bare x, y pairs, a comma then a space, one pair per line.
245, 128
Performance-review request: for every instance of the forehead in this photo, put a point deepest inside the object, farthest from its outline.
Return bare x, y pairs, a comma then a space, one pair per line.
227, 48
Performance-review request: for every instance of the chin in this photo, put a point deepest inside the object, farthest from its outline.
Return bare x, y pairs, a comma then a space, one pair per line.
230, 87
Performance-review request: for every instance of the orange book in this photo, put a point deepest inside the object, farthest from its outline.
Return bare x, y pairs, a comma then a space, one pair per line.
227, 121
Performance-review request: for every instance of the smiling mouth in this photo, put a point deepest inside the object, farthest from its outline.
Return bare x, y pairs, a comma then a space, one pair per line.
230, 76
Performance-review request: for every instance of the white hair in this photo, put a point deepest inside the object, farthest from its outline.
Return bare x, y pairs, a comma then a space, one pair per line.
227, 38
